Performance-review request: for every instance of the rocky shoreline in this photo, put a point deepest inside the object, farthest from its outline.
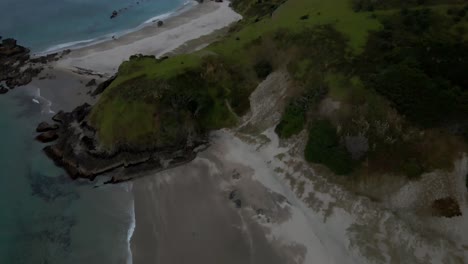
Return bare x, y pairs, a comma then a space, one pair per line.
76, 149
17, 68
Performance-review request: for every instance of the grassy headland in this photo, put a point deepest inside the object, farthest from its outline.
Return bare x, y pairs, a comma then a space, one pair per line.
396, 70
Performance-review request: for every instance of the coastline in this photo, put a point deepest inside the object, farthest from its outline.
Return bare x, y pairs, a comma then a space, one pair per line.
79, 44
62, 85
250, 197
104, 58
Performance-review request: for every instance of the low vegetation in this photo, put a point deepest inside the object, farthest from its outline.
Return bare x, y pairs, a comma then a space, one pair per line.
394, 70
323, 146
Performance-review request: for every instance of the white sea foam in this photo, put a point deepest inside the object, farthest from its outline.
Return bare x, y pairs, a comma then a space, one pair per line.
44, 102
131, 228
73, 44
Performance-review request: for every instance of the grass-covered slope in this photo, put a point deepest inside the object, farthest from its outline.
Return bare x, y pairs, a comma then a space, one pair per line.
135, 110
396, 71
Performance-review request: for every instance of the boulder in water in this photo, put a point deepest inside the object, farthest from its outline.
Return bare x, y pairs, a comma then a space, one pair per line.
3, 89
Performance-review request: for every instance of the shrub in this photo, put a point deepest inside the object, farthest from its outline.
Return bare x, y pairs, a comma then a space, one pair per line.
323, 147
292, 121
263, 68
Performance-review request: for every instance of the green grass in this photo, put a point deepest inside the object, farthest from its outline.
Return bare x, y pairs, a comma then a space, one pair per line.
340, 87
138, 108
123, 121
134, 100
355, 26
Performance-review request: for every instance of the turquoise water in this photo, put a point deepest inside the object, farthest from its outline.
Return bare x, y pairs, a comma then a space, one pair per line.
45, 217
42, 24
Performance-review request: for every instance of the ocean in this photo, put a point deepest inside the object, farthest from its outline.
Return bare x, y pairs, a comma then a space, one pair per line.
44, 25
45, 217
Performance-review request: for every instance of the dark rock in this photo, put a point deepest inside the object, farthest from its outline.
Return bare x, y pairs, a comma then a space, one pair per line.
114, 14
160, 23
89, 143
232, 194
48, 136
101, 87
92, 82
238, 203
10, 48
3, 89
60, 117
235, 175
13, 60
446, 207
466, 182
80, 112
44, 127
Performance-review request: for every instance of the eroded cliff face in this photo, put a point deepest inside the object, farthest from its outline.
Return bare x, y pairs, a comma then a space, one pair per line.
76, 148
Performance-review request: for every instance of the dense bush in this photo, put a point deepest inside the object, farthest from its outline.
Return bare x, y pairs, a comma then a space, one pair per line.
420, 67
294, 117
256, 8
292, 121
323, 147
263, 68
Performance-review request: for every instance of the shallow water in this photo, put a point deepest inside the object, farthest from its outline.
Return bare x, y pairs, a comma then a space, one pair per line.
43, 24
45, 217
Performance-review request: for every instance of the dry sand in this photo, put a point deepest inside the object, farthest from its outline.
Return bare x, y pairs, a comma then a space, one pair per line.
288, 214
198, 21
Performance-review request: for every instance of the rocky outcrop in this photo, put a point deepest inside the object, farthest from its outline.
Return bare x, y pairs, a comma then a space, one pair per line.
92, 82
101, 87
16, 66
77, 150
114, 14
44, 127
47, 137
3, 89
446, 207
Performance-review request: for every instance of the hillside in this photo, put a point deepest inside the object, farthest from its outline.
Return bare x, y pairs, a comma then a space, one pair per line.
395, 70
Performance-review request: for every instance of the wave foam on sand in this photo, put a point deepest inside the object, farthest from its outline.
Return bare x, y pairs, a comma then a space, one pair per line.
193, 23
79, 44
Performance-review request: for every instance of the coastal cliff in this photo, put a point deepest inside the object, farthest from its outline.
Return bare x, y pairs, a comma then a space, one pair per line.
76, 149
354, 113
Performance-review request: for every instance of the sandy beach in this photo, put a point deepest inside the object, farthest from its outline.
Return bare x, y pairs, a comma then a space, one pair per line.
198, 21
247, 198
250, 199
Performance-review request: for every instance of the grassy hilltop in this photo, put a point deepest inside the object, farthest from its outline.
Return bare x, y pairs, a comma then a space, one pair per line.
396, 68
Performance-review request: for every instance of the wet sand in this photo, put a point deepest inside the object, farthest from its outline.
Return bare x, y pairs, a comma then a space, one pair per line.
184, 215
